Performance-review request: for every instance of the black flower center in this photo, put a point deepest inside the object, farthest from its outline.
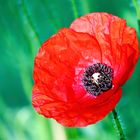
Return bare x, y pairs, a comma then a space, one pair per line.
97, 78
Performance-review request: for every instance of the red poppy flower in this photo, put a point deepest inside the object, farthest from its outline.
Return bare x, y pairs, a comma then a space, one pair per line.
78, 72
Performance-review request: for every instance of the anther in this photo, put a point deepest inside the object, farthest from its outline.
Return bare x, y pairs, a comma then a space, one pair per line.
97, 78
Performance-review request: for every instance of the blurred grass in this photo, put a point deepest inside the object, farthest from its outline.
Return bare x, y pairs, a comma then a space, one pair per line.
24, 25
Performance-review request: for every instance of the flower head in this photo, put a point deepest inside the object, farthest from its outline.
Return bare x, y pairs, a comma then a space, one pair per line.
78, 72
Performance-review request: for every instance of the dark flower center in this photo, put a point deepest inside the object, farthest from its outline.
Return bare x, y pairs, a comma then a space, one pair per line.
97, 78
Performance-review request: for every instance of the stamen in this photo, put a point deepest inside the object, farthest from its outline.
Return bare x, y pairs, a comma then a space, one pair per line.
98, 78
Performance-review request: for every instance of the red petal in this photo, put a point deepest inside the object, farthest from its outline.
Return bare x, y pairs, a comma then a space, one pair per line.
58, 91
118, 42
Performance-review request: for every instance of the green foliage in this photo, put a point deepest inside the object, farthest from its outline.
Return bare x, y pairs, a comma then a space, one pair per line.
24, 25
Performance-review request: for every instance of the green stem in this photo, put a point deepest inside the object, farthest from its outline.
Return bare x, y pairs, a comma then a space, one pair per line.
75, 10
137, 8
138, 25
118, 125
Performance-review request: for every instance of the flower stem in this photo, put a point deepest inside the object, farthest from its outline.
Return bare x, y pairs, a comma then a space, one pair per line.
118, 125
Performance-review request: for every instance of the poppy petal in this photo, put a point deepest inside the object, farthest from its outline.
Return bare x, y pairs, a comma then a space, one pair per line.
118, 42
58, 91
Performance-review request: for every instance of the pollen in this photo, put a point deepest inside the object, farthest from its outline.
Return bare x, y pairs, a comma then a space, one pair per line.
97, 79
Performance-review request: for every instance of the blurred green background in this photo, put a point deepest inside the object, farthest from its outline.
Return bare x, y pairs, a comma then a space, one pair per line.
24, 25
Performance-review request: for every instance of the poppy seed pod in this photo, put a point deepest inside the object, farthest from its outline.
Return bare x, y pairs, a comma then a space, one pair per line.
78, 72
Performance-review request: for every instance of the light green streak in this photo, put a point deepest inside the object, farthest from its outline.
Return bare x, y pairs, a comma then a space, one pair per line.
30, 20
75, 10
137, 8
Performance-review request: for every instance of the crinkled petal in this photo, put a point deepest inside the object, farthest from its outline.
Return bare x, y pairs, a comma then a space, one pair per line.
112, 32
58, 91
